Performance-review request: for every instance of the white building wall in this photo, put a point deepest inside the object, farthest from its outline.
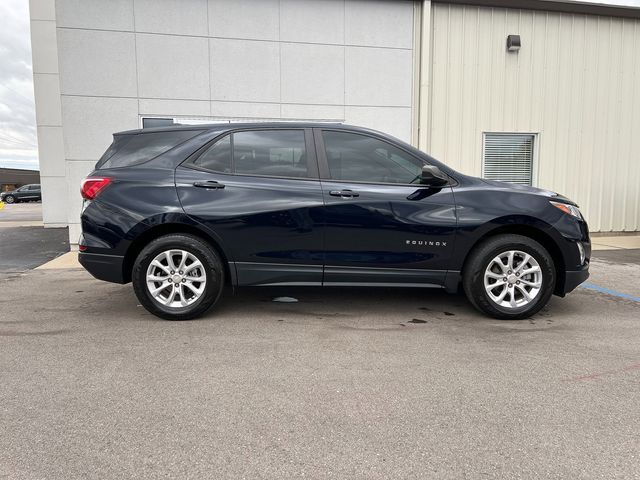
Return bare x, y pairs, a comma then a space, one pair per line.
106, 64
575, 82
46, 87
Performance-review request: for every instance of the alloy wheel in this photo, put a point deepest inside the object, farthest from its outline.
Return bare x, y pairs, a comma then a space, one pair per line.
513, 279
176, 278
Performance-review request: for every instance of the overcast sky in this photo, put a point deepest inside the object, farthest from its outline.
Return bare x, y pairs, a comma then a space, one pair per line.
18, 143
17, 115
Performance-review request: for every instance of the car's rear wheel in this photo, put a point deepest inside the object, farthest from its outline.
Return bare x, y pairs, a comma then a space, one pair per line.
509, 277
178, 277
10, 199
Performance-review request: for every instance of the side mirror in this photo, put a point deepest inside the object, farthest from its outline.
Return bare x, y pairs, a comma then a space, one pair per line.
433, 176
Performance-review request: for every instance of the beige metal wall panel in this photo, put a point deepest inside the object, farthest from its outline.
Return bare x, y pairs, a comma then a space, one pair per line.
575, 83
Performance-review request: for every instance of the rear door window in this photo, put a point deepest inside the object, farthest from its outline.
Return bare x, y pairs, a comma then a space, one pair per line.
272, 153
128, 150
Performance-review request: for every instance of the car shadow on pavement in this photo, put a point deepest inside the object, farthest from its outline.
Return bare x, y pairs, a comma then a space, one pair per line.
361, 306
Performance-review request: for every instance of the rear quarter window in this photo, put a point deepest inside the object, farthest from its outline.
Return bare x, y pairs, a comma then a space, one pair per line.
128, 150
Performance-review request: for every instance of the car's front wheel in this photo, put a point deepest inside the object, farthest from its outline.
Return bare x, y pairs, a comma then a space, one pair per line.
10, 199
178, 277
509, 277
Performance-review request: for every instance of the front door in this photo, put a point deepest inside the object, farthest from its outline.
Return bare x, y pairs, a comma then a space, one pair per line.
381, 225
258, 192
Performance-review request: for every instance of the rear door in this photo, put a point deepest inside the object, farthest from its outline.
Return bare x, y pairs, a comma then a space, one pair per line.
36, 192
258, 192
382, 225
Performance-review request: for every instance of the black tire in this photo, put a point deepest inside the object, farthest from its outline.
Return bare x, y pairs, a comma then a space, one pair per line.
10, 199
213, 270
479, 260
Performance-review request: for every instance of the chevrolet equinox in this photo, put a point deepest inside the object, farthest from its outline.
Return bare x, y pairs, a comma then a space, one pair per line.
183, 211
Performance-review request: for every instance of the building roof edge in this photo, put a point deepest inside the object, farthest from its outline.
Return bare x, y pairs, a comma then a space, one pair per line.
564, 6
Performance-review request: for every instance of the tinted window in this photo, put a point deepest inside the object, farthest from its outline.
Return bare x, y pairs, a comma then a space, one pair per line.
156, 122
360, 158
118, 142
217, 157
277, 153
127, 150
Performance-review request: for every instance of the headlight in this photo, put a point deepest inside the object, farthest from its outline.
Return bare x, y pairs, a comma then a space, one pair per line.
568, 209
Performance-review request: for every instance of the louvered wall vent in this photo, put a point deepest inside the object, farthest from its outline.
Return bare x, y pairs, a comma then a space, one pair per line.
508, 157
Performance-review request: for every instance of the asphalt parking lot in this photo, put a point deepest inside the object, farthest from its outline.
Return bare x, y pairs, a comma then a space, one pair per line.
24, 243
345, 383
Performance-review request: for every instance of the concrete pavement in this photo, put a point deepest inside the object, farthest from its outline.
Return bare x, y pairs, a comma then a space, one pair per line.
618, 242
21, 215
346, 383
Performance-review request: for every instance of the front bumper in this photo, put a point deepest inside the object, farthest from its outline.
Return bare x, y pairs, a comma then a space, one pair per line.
572, 279
576, 268
103, 267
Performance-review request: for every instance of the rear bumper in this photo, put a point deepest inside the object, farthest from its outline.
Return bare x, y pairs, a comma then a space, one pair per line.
103, 267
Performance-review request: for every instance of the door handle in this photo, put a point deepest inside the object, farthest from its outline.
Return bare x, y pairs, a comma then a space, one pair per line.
344, 193
212, 184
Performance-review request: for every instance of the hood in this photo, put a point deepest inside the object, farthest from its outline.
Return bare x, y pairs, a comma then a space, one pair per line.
527, 189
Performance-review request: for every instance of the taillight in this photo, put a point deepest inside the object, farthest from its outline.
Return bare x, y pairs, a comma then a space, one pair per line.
91, 186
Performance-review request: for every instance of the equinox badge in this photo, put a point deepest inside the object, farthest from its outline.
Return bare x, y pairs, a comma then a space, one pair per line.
427, 243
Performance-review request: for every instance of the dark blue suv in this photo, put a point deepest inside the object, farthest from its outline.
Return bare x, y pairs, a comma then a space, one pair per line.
183, 211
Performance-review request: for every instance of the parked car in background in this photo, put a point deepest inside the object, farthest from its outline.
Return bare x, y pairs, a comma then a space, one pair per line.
182, 211
26, 193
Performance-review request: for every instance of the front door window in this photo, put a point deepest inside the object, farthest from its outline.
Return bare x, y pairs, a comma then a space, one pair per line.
359, 158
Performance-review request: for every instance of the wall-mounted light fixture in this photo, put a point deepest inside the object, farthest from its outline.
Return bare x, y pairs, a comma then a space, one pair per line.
513, 43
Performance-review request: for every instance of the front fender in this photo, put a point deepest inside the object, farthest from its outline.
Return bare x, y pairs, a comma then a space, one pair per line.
469, 235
